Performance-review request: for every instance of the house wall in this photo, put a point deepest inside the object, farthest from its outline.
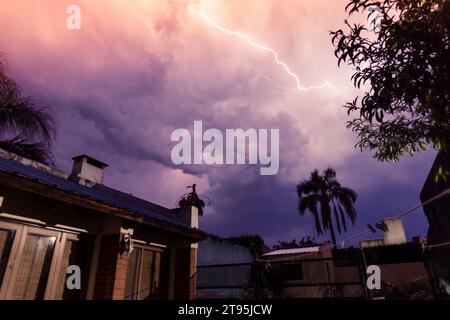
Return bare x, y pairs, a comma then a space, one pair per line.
317, 292
315, 275
107, 276
110, 282
437, 211
186, 281
318, 271
394, 273
401, 273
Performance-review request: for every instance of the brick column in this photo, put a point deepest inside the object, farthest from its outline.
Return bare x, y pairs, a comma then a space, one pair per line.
185, 273
111, 270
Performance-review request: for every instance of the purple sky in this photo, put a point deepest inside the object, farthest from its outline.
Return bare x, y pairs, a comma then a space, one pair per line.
138, 70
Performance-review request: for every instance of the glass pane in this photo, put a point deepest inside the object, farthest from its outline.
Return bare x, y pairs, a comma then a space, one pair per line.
145, 283
155, 284
33, 268
142, 275
131, 286
6, 240
61, 280
76, 252
292, 271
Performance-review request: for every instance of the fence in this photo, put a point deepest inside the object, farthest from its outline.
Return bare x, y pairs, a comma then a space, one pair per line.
316, 278
236, 280
306, 278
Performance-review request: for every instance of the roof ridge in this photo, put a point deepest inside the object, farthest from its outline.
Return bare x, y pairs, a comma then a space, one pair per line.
34, 164
46, 175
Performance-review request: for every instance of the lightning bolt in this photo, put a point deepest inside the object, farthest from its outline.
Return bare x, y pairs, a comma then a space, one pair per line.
254, 44
260, 74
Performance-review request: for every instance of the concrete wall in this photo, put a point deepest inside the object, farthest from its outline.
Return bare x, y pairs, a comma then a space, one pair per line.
397, 274
220, 252
402, 273
212, 252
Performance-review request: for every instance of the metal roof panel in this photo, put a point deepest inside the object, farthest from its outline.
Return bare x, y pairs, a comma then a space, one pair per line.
97, 194
293, 251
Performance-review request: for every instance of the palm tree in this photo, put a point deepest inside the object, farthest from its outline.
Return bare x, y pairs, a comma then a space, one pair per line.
192, 199
326, 191
26, 128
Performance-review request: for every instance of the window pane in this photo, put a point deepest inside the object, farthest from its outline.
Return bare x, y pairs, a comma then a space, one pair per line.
61, 280
6, 240
145, 282
131, 286
156, 272
292, 271
142, 274
76, 252
34, 267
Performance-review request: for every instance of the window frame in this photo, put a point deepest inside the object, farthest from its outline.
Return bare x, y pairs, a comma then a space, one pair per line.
21, 232
18, 230
301, 271
157, 271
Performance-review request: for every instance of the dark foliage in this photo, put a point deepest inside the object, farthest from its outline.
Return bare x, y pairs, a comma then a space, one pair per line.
192, 199
252, 241
404, 67
308, 241
321, 192
26, 128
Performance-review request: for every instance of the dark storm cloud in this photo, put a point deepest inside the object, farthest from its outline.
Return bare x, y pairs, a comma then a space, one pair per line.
137, 71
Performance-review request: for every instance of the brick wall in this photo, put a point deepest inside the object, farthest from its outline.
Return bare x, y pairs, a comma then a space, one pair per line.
164, 276
193, 273
111, 270
185, 273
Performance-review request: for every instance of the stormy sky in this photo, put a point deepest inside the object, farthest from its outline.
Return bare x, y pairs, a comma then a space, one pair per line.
137, 70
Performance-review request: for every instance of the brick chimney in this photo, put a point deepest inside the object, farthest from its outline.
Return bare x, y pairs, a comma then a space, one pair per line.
87, 168
188, 216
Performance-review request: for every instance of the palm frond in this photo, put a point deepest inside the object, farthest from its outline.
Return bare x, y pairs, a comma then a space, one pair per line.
349, 193
325, 214
307, 202
32, 150
322, 189
32, 125
20, 114
313, 209
347, 205
192, 199
336, 217
341, 212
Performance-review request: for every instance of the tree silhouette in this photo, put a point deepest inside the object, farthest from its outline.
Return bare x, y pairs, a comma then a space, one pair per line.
403, 64
192, 199
253, 241
318, 193
26, 128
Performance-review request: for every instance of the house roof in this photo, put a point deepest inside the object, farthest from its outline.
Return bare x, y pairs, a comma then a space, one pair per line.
98, 193
91, 160
293, 251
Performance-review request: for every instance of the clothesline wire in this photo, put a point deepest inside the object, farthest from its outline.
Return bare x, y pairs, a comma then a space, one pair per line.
437, 245
389, 220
